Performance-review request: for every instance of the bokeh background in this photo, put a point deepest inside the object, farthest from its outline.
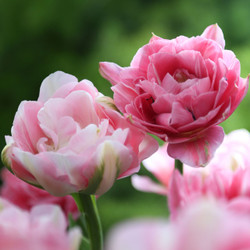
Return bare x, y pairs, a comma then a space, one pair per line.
40, 37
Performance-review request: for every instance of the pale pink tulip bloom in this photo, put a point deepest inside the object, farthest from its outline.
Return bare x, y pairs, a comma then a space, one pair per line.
44, 227
180, 90
72, 139
206, 224
27, 196
226, 177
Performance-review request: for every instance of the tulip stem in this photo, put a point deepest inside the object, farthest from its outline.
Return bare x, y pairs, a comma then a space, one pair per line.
178, 165
87, 206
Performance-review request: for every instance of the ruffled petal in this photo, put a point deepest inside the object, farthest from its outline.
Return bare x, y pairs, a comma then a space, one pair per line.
52, 83
198, 151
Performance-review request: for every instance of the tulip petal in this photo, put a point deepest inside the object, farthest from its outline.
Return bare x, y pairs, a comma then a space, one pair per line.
161, 165
26, 130
145, 184
215, 33
111, 72
123, 95
59, 174
112, 159
53, 82
198, 151
176, 193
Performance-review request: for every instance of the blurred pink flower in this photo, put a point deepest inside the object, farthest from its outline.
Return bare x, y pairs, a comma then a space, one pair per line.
71, 139
26, 196
207, 224
180, 90
226, 177
44, 227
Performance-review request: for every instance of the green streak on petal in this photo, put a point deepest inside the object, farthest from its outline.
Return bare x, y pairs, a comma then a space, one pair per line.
5, 159
107, 102
95, 181
206, 148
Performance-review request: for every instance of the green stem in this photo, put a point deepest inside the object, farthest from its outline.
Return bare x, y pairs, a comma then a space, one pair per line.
179, 165
87, 206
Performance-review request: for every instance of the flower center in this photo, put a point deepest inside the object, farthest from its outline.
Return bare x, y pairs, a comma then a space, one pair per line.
180, 76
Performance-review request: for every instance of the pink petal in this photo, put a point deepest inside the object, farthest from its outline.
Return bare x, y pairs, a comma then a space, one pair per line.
81, 141
160, 65
59, 174
193, 62
152, 88
147, 147
111, 72
207, 100
123, 95
141, 59
26, 131
180, 115
242, 87
161, 165
170, 85
53, 82
112, 159
215, 33
145, 184
176, 195
240, 205
198, 151
204, 121
163, 103
21, 172
231, 61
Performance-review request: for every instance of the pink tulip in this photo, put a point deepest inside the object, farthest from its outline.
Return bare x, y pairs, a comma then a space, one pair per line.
44, 227
27, 196
180, 90
72, 139
204, 225
226, 177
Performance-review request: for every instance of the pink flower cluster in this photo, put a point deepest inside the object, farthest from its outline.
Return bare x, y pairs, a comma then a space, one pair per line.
44, 227
72, 139
179, 90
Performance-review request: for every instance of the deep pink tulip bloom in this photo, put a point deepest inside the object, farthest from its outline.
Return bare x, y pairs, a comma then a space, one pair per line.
180, 90
71, 139
44, 227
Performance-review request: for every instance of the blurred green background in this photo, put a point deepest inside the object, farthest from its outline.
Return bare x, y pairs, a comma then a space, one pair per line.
40, 37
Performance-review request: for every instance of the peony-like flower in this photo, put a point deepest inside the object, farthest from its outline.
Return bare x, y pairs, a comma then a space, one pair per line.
204, 225
226, 177
44, 227
71, 139
180, 90
27, 196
